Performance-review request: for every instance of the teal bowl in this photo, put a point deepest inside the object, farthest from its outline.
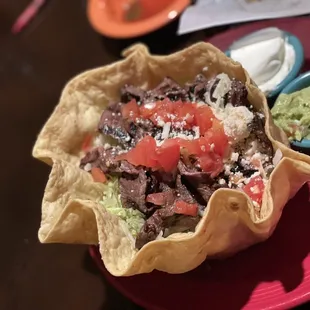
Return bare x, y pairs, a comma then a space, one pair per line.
299, 61
299, 83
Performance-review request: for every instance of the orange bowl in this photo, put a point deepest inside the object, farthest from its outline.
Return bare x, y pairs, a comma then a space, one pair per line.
132, 18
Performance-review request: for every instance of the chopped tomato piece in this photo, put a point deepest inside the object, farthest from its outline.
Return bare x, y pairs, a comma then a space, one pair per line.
161, 111
211, 163
131, 110
87, 143
203, 118
255, 189
204, 145
185, 114
192, 146
158, 199
182, 207
167, 105
160, 116
170, 142
147, 154
144, 154
148, 109
217, 137
168, 157
98, 175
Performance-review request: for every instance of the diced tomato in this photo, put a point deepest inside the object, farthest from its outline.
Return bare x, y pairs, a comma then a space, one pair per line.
192, 146
293, 128
167, 105
131, 110
160, 111
143, 154
170, 142
87, 143
98, 175
185, 113
204, 145
147, 154
177, 105
255, 189
158, 199
211, 163
217, 137
168, 157
182, 207
160, 116
148, 109
203, 118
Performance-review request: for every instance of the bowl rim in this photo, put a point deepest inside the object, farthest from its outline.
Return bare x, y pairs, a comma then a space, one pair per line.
299, 61
304, 143
102, 22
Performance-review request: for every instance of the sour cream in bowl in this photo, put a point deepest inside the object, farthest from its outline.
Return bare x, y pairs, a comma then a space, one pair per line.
272, 57
291, 112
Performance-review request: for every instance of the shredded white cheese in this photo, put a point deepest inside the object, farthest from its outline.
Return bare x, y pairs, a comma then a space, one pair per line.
223, 86
87, 167
196, 131
166, 130
252, 149
277, 157
160, 122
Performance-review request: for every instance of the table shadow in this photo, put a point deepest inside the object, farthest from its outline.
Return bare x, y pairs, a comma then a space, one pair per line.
114, 299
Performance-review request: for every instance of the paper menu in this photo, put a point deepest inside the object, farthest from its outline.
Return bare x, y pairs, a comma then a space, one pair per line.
210, 13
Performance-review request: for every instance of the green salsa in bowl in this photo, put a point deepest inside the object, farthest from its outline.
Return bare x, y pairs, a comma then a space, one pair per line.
291, 111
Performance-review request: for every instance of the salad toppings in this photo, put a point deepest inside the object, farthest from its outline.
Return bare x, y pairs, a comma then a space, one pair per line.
171, 147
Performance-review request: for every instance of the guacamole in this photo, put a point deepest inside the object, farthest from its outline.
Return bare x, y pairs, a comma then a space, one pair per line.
291, 112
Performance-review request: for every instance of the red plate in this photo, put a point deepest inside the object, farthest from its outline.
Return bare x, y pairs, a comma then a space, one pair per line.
272, 275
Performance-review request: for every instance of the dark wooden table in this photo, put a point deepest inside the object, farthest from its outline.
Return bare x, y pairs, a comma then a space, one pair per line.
34, 66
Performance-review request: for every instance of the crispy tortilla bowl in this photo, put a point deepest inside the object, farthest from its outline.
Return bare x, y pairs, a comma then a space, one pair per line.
71, 212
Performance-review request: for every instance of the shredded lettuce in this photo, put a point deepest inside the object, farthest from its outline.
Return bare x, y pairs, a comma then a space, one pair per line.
111, 201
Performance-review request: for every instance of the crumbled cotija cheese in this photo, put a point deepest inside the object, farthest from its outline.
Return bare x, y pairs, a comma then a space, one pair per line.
236, 122
98, 141
235, 119
227, 168
234, 156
